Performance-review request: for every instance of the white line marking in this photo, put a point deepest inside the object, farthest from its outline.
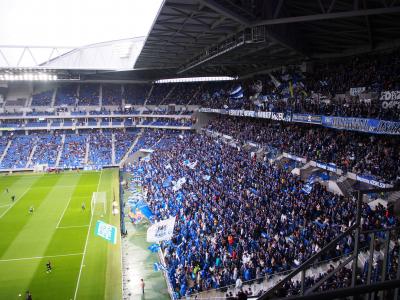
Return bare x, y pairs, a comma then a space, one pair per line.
66, 227
87, 239
39, 257
12, 205
62, 216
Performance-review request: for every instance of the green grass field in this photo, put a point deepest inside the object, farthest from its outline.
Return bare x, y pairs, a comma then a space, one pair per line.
84, 266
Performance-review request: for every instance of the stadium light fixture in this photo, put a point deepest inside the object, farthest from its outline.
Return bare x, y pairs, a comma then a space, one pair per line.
197, 79
27, 76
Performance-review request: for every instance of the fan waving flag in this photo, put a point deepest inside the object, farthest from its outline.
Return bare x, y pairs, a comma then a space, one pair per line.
161, 231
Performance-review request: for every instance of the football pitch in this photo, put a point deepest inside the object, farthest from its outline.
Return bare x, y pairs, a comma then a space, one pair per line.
84, 266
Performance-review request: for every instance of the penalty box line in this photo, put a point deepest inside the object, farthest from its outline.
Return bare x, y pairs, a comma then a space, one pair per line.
12, 205
73, 226
40, 257
65, 209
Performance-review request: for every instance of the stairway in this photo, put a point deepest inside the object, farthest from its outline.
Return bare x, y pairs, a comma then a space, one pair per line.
101, 95
29, 162
123, 159
5, 151
113, 148
394, 196
87, 152
168, 94
60, 150
53, 98
195, 94
78, 90
149, 94
345, 185
122, 93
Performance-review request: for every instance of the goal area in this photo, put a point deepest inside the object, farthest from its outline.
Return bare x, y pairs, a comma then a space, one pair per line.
99, 204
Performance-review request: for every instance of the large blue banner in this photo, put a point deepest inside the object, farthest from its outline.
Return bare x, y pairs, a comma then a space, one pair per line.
361, 124
355, 124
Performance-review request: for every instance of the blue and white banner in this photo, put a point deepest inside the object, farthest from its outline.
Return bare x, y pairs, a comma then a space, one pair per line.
357, 91
159, 267
178, 184
161, 231
354, 124
294, 157
237, 92
307, 118
372, 181
106, 231
328, 167
142, 206
390, 99
189, 164
361, 124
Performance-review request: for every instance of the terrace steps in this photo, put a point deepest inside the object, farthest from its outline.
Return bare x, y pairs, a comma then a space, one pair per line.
195, 94
29, 162
113, 148
123, 159
345, 185
149, 94
60, 150
5, 151
168, 94
29, 102
122, 93
78, 90
395, 196
87, 152
53, 98
100, 95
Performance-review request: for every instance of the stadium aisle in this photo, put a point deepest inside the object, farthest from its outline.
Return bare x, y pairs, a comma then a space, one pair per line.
138, 263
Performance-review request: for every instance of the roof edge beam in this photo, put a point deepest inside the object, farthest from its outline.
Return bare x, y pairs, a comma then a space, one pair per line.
329, 16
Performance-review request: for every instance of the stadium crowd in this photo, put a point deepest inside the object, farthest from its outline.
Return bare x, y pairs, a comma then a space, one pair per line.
362, 154
238, 218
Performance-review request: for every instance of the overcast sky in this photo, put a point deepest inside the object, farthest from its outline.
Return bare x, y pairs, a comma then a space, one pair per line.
74, 22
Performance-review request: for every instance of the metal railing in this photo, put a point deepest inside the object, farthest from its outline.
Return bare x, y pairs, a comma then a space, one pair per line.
355, 230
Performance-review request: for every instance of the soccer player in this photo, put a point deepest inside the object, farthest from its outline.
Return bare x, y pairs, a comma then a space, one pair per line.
31, 209
7, 190
28, 295
13, 198
48, 266
83, 206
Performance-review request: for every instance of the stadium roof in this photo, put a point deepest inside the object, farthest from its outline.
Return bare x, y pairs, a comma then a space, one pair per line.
241, 37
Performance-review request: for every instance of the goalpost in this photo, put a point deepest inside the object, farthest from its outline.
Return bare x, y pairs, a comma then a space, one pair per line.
98, 204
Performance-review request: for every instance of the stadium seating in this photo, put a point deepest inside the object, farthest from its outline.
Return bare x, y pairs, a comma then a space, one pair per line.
100, 149
363, 154
18, 154
47, 148
112, 94
73, 153
43, 98
159, 92
123, 140
238, 218
89, 94
66, 95
135, 94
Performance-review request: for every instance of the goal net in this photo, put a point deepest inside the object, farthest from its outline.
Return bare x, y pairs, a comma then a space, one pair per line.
99, 204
